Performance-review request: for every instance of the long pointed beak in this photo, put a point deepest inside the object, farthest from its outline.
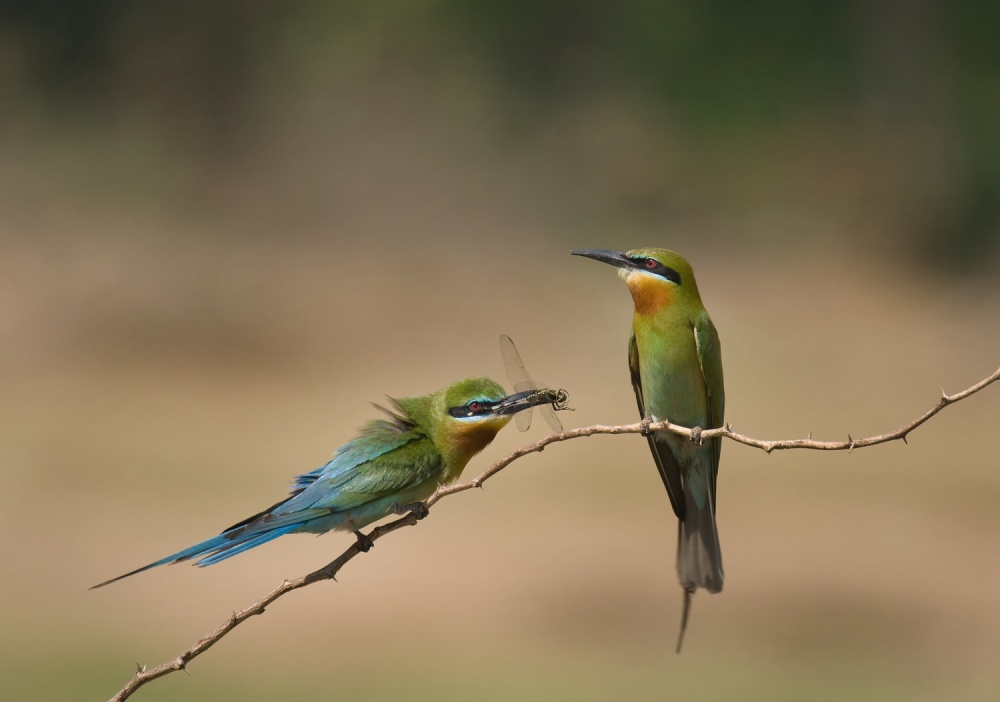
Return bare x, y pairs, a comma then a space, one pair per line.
614, 258
512, 404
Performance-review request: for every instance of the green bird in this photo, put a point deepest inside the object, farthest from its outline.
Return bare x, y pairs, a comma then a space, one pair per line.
676, 365
392, 465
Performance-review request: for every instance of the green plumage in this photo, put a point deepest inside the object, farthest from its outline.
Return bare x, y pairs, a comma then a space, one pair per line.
392, 463
675, 364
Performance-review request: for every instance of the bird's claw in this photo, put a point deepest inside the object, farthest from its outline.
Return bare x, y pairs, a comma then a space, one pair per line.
417, 509
644, 426
696, 435
364, 543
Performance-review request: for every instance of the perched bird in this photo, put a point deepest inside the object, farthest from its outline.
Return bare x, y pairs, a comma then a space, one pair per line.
391, 466
676, 366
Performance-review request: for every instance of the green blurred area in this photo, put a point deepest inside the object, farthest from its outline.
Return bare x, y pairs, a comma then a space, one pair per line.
879, 116
226, 227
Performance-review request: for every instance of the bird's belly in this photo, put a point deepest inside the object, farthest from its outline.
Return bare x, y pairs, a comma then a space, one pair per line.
673, 385
361, 516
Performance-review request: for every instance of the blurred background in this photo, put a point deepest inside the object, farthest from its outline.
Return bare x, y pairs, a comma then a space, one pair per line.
228, 226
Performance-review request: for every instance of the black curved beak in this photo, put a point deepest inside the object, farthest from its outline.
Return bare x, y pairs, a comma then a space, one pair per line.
614, 258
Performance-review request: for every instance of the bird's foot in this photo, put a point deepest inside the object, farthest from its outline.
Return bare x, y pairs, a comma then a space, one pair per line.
417, 509
696, 435
364, 543
644, 426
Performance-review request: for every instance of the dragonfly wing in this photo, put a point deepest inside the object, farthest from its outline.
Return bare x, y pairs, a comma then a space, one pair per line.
512, 363
549, 415
518, 376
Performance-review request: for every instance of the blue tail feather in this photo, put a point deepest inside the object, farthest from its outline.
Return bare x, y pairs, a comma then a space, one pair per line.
239, 546
218, 548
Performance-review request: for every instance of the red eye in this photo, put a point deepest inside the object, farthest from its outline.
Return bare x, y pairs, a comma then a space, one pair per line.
475, 406
652, 263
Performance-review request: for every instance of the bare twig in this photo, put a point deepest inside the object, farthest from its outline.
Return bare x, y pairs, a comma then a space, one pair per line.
329, 571
851, 444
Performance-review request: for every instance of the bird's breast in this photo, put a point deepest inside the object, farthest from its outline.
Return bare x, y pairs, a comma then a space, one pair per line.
673, 385
464, 442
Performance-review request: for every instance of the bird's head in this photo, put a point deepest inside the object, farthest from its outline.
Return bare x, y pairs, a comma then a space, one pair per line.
481, 402
657, 278
472, 411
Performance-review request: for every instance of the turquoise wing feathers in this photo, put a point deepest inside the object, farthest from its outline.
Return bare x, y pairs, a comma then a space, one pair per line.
388, 456
367, 468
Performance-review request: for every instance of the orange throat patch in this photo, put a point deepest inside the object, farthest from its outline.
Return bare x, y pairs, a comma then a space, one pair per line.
473, 438
649, 293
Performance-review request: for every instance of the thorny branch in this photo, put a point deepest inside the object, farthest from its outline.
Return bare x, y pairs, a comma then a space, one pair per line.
330, 570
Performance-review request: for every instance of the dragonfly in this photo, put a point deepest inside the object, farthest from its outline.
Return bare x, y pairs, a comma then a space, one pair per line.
522, 382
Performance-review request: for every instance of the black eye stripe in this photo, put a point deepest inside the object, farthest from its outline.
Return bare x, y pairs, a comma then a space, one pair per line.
642, 263
463, 411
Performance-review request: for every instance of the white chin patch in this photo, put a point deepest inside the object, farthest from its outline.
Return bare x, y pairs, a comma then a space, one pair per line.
638, 274
479, 419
